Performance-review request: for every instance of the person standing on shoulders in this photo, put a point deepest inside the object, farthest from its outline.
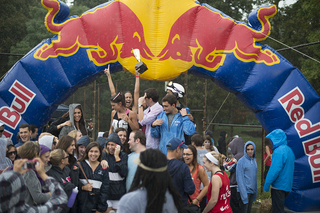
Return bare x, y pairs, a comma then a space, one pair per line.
280, 175
149, 115
121, 116
171, 123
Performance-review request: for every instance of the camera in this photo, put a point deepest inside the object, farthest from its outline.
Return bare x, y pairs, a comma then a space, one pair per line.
30, 164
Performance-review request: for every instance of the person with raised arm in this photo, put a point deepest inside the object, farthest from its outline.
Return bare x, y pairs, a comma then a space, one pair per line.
128, 95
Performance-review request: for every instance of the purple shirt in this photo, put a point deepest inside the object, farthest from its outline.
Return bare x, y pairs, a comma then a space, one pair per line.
150, 115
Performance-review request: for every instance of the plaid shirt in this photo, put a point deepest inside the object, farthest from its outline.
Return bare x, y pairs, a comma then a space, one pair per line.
13, 191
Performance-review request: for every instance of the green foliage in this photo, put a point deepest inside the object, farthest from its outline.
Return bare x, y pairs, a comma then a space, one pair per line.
14, 15
36, 30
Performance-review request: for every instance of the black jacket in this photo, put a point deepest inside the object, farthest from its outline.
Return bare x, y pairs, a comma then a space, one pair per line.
97, 198
53, 126
117, 173
62, 176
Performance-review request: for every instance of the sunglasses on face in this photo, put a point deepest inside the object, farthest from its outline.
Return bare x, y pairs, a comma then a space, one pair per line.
66, 157
2, 130
12, 153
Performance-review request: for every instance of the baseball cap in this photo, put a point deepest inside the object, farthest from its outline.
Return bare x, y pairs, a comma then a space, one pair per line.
175, 143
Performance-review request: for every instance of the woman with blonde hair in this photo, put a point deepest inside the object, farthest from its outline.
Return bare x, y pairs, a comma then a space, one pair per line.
61, 172
218, 195
75, 134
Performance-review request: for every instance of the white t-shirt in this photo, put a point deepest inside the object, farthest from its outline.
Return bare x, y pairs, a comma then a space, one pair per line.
136, 202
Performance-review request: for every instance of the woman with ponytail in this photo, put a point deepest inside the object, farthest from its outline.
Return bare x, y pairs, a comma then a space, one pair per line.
218, 195
122, 116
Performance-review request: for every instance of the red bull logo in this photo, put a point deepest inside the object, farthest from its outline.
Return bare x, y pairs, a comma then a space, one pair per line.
207, 43
197, 36
98, 31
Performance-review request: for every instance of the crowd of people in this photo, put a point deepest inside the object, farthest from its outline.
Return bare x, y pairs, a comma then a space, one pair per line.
150, 160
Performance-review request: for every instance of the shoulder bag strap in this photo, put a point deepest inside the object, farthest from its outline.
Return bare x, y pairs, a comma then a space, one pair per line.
83, 171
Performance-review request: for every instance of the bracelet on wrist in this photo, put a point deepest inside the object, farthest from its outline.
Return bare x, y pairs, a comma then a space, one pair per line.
137, 76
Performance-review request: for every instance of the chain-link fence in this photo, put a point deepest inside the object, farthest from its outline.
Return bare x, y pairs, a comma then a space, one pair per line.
204, 98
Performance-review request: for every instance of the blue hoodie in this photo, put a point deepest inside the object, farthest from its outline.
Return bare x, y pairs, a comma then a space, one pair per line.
180, 125
280, 174
247, 174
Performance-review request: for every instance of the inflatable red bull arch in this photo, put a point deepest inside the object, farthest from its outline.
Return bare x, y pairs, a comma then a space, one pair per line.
173, 37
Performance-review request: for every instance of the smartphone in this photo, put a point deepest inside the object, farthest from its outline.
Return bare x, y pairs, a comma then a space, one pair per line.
30, 164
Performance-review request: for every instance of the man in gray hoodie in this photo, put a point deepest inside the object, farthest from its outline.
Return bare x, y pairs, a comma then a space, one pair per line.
236, 146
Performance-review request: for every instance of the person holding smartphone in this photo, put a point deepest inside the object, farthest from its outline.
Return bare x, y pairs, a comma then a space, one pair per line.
118, 170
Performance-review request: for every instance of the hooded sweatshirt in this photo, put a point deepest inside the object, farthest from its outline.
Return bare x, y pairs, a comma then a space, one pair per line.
12, 198
118, 170
4, 161
280, 174
236, 146
247, 174
181, 178
46, 140
66, 129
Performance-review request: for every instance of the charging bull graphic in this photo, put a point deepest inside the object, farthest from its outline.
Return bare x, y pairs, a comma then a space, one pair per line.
207, 45
193, 37
103, 44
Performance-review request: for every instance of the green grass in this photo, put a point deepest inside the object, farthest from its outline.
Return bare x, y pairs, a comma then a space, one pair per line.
248, 134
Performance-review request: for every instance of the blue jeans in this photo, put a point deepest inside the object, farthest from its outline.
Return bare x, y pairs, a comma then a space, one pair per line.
278, 197
246, 208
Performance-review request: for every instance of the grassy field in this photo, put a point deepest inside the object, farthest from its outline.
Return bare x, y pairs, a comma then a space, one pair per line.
247, 134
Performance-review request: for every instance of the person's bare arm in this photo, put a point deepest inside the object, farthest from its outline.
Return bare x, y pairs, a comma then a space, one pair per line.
111, 85
268, 154
216, 185
205, 181
111, 127
132, 120
141, 101
136, 93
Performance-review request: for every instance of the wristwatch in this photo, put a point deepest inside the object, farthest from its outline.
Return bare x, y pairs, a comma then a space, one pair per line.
139, 105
